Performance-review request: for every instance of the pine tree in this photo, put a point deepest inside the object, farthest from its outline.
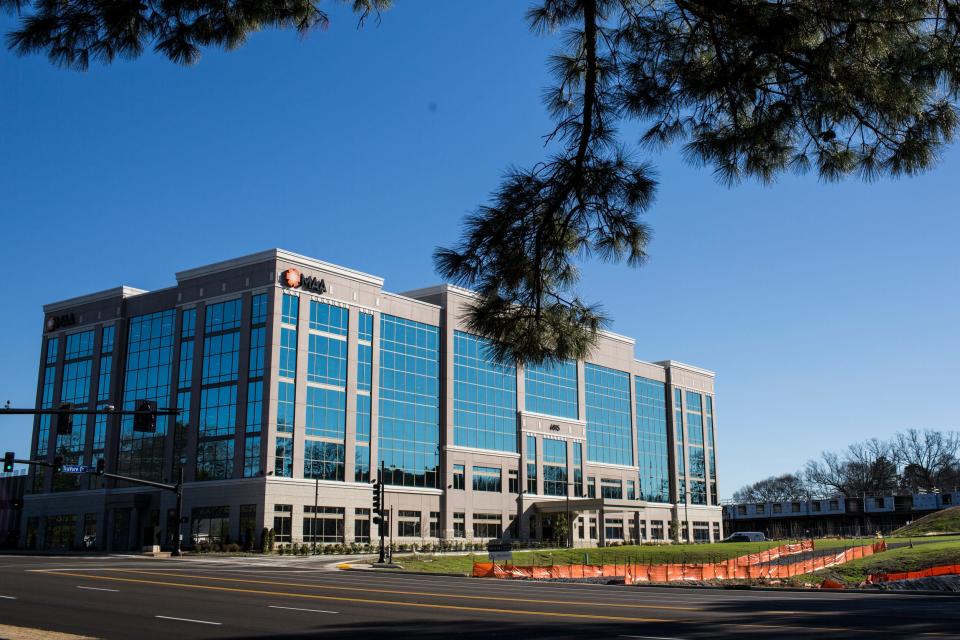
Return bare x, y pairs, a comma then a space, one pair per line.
750, 88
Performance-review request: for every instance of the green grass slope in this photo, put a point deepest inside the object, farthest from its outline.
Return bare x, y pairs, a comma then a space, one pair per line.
920, 556
944, 521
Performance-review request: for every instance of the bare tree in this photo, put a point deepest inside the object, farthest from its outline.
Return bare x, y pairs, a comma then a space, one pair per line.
785, 488
928, 458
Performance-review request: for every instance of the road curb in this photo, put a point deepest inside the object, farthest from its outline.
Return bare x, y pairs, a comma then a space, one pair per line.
348, 567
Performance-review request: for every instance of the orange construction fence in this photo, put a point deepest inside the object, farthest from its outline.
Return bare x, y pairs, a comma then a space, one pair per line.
943, 570
744, 567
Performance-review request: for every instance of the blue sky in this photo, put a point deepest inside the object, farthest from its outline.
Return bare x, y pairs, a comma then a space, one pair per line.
829, 312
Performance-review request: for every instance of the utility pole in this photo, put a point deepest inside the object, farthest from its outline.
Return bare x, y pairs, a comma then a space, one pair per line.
378, 496
316, 496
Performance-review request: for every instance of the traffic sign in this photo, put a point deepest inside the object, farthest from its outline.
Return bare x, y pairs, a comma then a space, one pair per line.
78, 468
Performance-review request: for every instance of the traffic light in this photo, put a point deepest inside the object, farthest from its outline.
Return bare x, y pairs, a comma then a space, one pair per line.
57, 464
377, 496
8, 462
100, 466
64, 419
145, 418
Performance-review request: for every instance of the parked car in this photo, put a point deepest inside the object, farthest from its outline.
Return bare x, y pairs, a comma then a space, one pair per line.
745, 536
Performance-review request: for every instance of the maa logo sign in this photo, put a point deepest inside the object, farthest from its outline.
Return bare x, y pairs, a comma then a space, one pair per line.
295, 280
56, 322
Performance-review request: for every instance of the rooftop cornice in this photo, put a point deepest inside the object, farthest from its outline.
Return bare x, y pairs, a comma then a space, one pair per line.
281, 254
107, 294
673, 364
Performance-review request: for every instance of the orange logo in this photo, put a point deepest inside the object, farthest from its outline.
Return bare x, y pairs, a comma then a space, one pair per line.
292, 277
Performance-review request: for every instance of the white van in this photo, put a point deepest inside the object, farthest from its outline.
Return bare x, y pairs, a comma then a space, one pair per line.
745, 536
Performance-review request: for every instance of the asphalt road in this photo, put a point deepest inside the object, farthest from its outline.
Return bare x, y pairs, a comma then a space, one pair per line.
129, 597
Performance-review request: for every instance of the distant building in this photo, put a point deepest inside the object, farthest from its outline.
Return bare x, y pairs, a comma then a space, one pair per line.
834, 516
295, 379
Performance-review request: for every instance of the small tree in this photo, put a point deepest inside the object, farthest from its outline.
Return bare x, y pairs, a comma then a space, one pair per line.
561, 530
675, 530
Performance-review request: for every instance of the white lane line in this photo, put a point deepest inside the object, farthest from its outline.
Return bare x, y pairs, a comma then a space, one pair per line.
7, 598
652, 637
98, 589
272, 606
189, 620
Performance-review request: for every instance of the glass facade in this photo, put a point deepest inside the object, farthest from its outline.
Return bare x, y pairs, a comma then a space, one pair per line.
696, 456
609, 428
679, 451
551, 389
147, 376
484, 397
532, 465
652, 442
554, 467
409, 414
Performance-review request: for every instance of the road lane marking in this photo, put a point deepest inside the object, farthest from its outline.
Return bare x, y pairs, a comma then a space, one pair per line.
520, 612
7, 598
189, 620
98, 589
454, 596
400, 603
651, 637
273, 606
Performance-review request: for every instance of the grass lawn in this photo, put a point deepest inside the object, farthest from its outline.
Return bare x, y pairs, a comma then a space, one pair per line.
921, 556
659, 554
945, 521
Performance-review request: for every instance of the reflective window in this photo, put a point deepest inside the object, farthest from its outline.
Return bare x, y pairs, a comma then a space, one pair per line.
327, 360
364, 366
288, 353
487, 479
52, 345
79, 345
147, 375
254, 406
611, 488
258, 338
409, 419
554, 467
218, 411
181, 427
326, 413
328, 318
185, 369
578, 469
283, 464
75, 387
290, 312
361, 463
487, 525
484, 396
103, 382
215, 459
107, 338
322, 460
551, 388
221, 358
609, 430
258, 309
459, 477
285, 406
365, 330
652, 443
532, 465
222, 316
363, 418
189, 328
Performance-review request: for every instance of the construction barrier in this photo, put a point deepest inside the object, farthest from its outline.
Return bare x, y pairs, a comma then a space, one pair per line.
744, 567
930, 572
